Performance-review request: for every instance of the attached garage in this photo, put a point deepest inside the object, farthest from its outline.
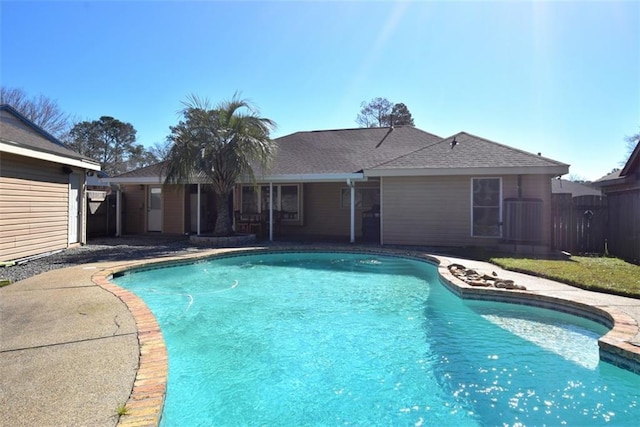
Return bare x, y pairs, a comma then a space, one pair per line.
42, 201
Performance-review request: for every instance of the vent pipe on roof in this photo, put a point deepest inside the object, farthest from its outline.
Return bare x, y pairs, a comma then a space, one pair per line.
385, 136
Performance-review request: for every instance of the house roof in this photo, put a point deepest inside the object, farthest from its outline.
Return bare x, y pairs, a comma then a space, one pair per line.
346, 150
362, 152
563, 186
19, 135
633, 164
629, 173
463, 154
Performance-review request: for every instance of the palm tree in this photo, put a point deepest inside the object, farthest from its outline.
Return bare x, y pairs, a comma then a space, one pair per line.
220, 144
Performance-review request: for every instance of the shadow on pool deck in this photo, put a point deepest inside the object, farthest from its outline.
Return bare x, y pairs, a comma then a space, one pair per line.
69, 349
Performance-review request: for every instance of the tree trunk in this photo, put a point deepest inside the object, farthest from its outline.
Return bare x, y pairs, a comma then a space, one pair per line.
223, 220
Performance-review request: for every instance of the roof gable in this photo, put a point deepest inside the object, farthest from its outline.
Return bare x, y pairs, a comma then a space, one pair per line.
466, 151
633, 164
24, 137
628, 174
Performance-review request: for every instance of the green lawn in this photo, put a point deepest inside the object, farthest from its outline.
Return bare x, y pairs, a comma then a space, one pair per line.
609, 275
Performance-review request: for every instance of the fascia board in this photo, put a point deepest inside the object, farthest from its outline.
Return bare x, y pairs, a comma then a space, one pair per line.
338, 177
543, 170
46, 156
135, 180
269, 178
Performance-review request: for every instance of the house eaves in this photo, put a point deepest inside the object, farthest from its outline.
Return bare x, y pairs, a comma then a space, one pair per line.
315, 177
135, 180
14, 148
468, 171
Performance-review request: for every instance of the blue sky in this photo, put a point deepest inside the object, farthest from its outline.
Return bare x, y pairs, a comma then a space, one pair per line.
560, 78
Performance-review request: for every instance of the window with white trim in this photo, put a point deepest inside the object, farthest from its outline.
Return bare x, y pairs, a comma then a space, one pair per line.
486, 207
286, 200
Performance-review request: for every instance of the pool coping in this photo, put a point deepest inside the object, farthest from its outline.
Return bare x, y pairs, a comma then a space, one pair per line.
146, 400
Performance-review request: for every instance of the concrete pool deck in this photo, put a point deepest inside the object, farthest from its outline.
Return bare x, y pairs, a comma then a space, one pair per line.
75, 348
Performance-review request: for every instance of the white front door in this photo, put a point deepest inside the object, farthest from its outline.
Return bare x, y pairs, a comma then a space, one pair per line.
74, 207
154, 219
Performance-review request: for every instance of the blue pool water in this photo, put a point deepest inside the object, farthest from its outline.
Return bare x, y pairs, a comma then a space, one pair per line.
349, 339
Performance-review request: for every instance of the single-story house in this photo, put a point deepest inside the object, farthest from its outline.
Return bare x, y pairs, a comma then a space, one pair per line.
42, 202
622, 189
397, 185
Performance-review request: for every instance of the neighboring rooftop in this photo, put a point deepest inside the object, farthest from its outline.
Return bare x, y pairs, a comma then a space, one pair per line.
576, 189
628, 174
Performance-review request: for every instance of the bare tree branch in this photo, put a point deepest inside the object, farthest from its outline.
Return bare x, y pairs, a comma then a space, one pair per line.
41, 110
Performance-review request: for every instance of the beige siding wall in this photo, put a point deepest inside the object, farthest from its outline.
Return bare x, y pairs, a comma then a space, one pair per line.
34, 200
437, 210
323, 215
173, 219
427, 211
134, 216
173, 209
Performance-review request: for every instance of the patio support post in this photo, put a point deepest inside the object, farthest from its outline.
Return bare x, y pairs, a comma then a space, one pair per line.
199, 209
118, 212
271, 211
352, 223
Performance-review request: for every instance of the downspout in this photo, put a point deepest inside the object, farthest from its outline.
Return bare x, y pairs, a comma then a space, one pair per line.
271, 211
198, 213
352, 223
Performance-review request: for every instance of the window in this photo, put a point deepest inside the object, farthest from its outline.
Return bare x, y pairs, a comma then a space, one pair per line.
486, 207
286, 199
249, 200
365, 198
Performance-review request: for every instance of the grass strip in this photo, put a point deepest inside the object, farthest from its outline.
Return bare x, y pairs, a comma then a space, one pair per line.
600, 274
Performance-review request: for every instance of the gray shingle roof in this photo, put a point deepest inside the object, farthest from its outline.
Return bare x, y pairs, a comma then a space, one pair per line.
468, 151
17, 129
345, 150
348, 151
151, 171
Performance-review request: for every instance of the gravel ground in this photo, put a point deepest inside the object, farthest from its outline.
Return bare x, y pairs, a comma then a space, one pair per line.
100, 249
137, 247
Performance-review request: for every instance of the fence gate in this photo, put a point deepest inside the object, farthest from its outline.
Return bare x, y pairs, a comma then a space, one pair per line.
579, 223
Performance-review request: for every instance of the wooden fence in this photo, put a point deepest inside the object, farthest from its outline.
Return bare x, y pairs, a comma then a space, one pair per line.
101, 222
624, 225
579, 224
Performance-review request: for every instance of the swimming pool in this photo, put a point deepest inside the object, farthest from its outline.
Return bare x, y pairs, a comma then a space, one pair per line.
349, 339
